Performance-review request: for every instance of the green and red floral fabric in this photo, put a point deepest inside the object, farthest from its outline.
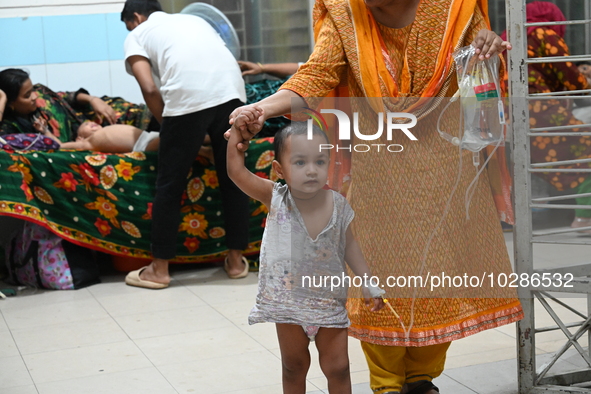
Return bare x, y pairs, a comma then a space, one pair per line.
104, 201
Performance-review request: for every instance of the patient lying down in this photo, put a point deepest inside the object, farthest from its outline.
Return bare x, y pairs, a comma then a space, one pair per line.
118, 138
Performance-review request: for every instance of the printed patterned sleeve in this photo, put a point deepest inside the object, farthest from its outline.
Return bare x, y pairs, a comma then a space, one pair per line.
325, 67
566, 72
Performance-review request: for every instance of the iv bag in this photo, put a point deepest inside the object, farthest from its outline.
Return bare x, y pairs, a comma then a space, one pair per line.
480, 98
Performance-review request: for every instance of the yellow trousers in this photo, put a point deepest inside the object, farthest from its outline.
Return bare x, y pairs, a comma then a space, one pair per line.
390, 367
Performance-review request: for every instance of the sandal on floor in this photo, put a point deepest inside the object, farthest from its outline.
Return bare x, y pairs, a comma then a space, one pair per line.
423, 387
241, 275
581, 222
133, 279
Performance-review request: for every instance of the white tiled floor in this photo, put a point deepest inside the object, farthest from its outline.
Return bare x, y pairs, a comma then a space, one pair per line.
194, 338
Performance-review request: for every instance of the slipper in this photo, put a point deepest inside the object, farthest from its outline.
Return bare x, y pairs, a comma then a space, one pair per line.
133, 279
241, 275
581, 222
423, 386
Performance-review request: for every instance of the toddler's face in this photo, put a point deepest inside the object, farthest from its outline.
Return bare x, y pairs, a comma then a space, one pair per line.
87, 129
585, 69
305, 167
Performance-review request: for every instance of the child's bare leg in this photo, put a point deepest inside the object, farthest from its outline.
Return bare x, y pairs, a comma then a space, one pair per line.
334, 359
295, 357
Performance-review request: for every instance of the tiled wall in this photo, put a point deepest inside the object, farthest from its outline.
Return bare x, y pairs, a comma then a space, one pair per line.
66, 52
68, 44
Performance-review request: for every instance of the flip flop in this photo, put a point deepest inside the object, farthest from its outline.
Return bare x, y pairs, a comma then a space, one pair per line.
241, 275
423, 387
133, 279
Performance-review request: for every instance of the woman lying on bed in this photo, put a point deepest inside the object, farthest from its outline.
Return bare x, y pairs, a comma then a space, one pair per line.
21, 103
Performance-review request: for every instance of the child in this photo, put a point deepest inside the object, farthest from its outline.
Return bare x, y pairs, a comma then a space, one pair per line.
585, 69
115, 138
308, 234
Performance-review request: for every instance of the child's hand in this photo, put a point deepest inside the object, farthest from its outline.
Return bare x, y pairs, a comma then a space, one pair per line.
248, 120
375, 304
373, 295
234, 135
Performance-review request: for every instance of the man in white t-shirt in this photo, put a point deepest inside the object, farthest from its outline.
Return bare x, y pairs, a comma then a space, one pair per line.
191, 84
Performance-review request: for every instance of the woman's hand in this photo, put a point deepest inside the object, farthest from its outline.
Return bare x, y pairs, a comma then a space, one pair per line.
250, 68
103, 110
488, 43
40, 124
248, 120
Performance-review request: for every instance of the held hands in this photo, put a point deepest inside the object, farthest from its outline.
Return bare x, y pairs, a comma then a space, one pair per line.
247, 120
103, 110
488, 43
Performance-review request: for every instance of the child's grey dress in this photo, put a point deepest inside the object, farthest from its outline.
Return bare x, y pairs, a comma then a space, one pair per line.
289, 257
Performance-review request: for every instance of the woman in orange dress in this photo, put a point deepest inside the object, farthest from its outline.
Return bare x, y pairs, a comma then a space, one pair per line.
392, 49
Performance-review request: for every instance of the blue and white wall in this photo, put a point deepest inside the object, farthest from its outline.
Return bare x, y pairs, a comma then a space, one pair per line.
68, 44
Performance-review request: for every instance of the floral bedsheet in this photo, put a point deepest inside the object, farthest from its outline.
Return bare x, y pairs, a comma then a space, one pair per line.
104, 201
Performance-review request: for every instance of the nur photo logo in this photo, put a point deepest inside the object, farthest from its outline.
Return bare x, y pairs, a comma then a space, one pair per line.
393, 121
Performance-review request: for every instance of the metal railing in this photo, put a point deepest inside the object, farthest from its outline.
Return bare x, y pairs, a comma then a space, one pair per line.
533, 379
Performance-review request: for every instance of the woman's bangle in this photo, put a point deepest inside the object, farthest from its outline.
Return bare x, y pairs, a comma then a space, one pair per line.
261, 66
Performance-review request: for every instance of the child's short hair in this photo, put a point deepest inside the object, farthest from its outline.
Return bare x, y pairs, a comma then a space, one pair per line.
294, 128
583, 63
